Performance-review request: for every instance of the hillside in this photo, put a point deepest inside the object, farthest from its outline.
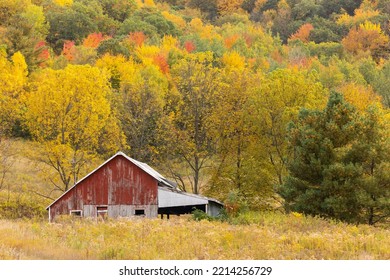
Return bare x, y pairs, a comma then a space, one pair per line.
253, 236
261, 104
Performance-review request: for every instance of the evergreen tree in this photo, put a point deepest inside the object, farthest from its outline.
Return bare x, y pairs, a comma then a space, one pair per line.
339, 165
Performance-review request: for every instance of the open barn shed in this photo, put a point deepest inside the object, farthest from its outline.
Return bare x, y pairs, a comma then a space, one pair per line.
125, 187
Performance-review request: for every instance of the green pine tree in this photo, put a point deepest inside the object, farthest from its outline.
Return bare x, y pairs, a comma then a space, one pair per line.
340, 164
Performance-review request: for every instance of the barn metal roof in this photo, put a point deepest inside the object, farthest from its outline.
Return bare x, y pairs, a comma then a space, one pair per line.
161, 179
168, 197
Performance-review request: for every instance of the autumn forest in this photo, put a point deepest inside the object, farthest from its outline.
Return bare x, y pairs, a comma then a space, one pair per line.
278, 105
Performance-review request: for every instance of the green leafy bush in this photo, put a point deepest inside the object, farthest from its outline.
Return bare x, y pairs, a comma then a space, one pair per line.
199, 215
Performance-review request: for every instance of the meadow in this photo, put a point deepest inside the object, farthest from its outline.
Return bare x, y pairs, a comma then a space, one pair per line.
251, 235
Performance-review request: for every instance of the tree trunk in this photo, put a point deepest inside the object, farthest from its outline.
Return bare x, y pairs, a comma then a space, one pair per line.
371, 216
238, 164
196, 175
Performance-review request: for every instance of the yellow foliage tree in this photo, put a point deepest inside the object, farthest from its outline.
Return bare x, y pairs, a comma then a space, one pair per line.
228, 6
63, 2
365, 12
359, 96
233, 61
282, 4
140, 104
177, 20
13, 79
196, 83
147, 53
169, 43
69, 111
145, 3
205, 31
116, 66
196, 24
238, 167
277, 102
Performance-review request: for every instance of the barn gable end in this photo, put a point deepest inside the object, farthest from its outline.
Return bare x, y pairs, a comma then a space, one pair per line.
117, 188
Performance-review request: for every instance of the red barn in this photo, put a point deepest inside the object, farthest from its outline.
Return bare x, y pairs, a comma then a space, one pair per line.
125, 187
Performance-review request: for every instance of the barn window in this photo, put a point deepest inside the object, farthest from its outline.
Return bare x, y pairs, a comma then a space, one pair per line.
102, 211
139, 212
76, 213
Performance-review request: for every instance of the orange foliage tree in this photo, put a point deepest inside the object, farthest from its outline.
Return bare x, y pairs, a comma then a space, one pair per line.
69, 49
93, 40
367, 37
138, 38
303, 33
161, 61
231, 40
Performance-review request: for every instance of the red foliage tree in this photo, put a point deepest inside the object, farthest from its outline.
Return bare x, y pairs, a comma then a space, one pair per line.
43, 53
189, 46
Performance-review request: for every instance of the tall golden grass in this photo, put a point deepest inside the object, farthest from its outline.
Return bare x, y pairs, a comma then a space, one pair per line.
251, 236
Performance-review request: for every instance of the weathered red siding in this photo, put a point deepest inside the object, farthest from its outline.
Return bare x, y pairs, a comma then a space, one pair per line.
118, 182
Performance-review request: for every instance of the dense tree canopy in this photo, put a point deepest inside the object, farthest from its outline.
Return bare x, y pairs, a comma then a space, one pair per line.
206, 90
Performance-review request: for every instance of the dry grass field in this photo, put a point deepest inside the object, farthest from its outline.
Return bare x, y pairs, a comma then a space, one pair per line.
250, 236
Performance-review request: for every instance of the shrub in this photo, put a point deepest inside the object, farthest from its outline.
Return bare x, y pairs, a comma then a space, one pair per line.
198, 215
21, 208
